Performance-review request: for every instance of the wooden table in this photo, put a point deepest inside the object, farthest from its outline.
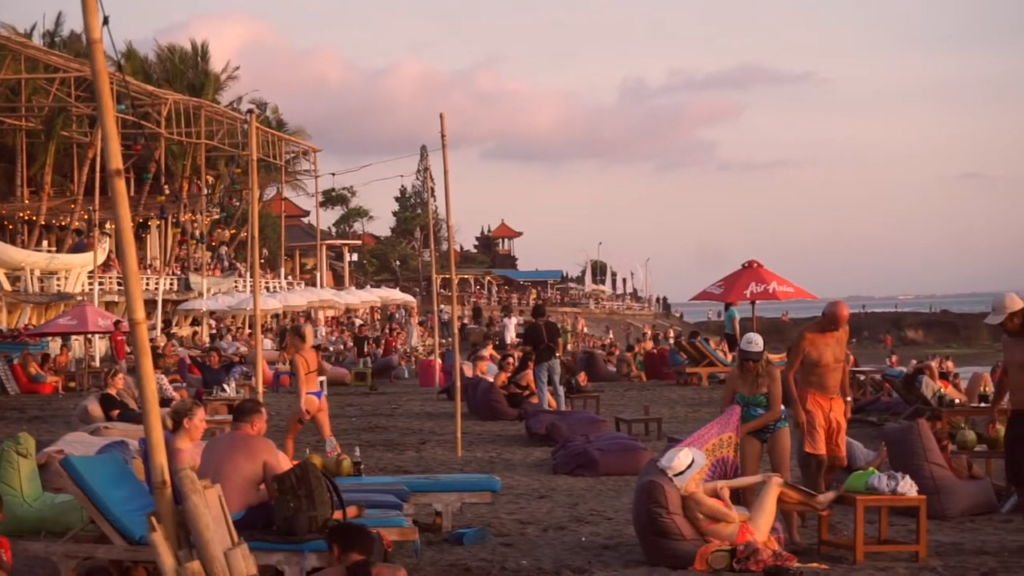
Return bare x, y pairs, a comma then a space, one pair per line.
646, 420
945, 414
585, 399
860, 544
218, 424
862, 376
987, 455
218, 405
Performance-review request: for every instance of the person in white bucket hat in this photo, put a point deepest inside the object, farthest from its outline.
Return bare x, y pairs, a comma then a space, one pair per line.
708, 505
1008, 314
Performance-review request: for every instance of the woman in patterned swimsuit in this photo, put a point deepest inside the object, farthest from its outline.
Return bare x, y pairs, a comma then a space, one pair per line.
755, 385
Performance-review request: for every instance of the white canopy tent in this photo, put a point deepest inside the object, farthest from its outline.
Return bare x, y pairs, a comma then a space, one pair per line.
362, 299
268, 305
400, 298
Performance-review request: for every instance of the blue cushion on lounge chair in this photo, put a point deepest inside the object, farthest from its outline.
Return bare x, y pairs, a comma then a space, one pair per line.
396, 490
114, 489
373, 501
419, 483
712, 352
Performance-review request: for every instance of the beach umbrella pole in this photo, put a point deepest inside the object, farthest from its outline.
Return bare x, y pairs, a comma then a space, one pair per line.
457, 371
159, 472
753, 314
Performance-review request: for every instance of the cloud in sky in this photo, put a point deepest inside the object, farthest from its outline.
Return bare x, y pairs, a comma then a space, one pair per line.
353, 110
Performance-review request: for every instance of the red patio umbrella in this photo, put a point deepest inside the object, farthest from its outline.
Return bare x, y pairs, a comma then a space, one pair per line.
753, 283
85, 318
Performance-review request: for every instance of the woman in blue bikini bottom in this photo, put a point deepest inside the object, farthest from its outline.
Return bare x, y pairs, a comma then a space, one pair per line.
305, 368
755, 385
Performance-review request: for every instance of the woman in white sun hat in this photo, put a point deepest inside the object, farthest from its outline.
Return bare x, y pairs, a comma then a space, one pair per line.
755, 385
708, 507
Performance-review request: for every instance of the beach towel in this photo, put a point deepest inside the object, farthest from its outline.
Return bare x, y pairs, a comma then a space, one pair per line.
720, 442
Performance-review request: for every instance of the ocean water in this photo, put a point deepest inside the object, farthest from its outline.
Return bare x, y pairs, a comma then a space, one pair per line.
696, 311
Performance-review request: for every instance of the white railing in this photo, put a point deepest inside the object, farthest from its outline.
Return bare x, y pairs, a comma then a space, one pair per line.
114, 283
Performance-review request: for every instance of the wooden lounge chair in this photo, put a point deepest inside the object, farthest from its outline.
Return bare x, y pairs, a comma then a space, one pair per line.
121, 507
703, 360
905, 386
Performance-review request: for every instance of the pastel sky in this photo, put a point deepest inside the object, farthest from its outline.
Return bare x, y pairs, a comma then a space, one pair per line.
854, 147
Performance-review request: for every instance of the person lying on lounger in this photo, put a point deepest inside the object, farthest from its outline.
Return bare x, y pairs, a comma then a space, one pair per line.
708, 507
352, 548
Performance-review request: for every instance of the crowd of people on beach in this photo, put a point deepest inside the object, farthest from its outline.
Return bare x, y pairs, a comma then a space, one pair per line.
535, 360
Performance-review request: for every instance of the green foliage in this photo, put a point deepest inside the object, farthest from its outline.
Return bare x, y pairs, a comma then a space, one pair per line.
411, 225
354, 216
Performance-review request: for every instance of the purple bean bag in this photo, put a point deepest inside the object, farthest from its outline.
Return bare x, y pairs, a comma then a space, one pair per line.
552, 427
597, 370
487, 403
603, 454
469, 385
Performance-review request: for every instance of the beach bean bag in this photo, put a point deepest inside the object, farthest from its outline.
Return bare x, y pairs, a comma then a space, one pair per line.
597, 370
469, 385
666, 537
25, 386
336, 375
27, 509
385, 366
656, 365
913, 451
552, 427
605, 454
489, 404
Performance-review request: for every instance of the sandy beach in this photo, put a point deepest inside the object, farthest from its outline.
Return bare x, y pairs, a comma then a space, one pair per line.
542, 523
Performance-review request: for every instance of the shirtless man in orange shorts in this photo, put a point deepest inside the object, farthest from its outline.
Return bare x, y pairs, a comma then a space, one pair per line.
822, 403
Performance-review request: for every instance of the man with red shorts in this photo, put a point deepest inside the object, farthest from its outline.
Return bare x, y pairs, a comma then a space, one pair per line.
822, 402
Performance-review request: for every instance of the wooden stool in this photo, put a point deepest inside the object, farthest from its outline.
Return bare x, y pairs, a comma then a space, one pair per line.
362, 376
646, 420
585, 399
218, 424
860, 544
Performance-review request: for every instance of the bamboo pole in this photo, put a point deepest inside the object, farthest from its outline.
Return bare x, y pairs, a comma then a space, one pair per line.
203, 227
281, 188
254, 256
457, 372
199, 516
316, 200
431, 202
159, 473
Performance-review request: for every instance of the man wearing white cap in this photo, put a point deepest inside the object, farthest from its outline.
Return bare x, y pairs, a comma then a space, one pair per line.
1008, 314
708, 506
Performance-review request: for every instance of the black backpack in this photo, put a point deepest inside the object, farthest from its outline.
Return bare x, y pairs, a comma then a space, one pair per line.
305, 502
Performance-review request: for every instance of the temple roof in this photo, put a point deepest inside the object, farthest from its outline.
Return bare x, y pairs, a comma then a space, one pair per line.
291, 209
505, 232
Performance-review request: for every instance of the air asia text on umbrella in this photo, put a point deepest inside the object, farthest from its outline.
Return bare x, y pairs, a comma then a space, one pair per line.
753, 288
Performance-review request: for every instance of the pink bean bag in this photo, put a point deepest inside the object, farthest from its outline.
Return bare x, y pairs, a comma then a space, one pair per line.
552, 427
604, 454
